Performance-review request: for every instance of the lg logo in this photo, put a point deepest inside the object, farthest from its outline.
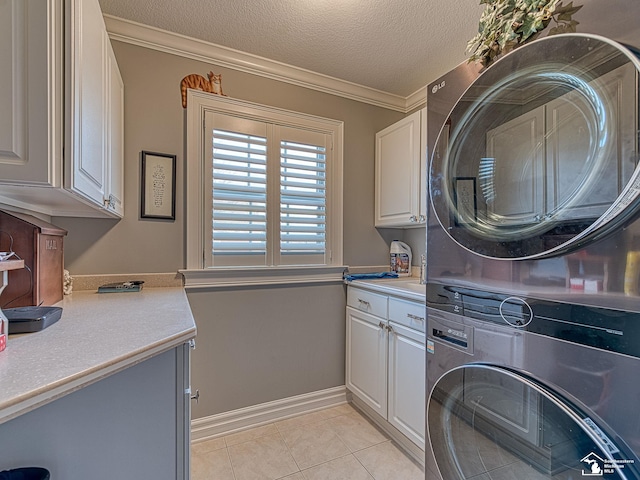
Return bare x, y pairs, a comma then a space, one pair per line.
438, 86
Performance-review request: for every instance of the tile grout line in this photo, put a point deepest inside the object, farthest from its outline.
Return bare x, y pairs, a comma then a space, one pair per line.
284, 440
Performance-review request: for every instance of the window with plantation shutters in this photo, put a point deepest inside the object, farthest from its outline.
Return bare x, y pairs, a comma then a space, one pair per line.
267, 194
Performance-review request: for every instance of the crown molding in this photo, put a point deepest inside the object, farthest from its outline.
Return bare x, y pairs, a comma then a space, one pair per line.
175, 44
416, 99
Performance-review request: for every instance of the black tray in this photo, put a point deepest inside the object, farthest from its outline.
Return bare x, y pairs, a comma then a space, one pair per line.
31, 319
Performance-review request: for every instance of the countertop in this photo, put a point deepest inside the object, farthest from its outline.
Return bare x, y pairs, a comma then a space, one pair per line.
405, 287
98, 335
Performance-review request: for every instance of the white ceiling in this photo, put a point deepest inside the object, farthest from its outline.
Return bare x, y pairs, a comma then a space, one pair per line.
395, 46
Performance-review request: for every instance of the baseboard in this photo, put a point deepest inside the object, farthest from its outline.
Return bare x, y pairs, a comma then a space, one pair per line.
407, 445
214, 426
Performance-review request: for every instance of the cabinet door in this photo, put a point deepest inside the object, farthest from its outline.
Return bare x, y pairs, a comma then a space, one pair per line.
183, 411
570, 150
30, 95
366, 363
398, 173
114, 200
407, 382
516, 152
86, 172
424, 167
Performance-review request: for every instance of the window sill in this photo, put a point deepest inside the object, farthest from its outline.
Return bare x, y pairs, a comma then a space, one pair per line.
257, 276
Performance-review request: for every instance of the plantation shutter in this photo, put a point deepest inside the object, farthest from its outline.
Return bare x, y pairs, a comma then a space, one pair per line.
267, 193
303, 196
237, 195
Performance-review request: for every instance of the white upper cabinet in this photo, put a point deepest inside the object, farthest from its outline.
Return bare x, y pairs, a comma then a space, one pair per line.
31, 91
56, 97
401, 173
542, 156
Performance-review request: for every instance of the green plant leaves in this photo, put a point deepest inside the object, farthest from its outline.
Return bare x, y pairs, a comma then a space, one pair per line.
505, 24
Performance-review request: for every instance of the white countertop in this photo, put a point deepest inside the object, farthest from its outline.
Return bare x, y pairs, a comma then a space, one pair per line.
98, 334
405, 287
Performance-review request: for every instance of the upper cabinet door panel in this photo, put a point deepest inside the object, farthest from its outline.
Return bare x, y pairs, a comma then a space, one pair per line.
88, 50
398, 173
569, 142
30, 130
515, 153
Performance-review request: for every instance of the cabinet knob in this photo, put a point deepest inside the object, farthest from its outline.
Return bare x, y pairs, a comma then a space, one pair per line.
382, 325
413, 219
423, 218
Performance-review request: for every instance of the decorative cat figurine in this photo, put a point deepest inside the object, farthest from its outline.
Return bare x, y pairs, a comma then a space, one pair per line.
198, 82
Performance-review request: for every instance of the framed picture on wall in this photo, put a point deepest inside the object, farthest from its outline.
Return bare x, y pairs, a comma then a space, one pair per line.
158, 186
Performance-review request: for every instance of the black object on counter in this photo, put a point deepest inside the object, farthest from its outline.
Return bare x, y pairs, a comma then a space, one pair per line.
130, 286
28, 473
31, 319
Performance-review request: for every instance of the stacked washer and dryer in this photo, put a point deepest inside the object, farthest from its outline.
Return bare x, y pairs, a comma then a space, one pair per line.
533, 257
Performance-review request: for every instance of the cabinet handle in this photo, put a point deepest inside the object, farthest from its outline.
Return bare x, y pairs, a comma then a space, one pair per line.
111, 201
363, 302
196, 396
415, 317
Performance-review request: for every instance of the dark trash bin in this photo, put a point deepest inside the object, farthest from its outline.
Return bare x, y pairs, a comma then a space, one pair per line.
29, 473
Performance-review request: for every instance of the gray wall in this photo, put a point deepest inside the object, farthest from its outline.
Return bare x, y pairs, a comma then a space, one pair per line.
267, 343
154, 120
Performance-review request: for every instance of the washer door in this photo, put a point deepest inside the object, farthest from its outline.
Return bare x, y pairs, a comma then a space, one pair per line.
539, 155
487, 422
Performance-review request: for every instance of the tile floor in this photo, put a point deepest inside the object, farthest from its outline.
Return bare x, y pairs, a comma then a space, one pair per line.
337, 443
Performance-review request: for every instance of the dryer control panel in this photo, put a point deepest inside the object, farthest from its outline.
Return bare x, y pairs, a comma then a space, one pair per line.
603, 328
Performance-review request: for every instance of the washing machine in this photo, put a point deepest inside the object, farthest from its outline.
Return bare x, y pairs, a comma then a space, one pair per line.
533, 258
524, 388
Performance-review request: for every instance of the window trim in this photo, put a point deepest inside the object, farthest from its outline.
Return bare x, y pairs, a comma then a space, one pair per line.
200, 102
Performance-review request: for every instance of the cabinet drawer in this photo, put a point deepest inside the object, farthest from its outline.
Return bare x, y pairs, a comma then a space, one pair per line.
409, 314
367, 301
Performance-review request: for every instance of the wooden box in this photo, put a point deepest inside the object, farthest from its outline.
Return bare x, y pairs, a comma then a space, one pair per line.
40, 245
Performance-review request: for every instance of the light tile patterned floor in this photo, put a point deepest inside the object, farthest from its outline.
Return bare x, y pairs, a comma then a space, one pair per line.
337, 443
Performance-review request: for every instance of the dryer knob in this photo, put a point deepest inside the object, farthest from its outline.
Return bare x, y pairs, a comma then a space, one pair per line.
516, 312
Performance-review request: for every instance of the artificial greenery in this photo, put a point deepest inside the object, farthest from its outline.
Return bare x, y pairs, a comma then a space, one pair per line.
505, 24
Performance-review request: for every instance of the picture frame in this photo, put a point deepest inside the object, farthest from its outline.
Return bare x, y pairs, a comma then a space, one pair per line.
158, 186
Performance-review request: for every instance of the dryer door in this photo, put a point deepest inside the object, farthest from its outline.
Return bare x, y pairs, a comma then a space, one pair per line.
487, 422
539, 155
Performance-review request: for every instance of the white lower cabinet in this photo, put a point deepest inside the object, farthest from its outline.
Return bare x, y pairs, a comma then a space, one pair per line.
406, 396
385, 359
367, 340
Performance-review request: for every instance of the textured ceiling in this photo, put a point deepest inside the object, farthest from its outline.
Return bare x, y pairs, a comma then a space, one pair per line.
396, 46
